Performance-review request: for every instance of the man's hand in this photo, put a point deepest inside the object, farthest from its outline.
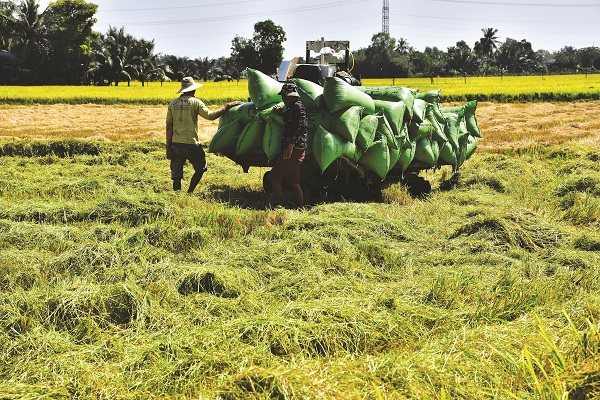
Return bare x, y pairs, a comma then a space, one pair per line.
232, 104
169, 152
278, 109
287, 153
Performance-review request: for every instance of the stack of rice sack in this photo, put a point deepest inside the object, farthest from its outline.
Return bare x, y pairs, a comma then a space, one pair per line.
379, 128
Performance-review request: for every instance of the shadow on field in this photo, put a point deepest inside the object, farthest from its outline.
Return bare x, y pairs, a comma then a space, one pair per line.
240, 197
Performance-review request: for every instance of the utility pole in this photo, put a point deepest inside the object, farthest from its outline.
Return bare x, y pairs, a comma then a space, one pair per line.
385, 18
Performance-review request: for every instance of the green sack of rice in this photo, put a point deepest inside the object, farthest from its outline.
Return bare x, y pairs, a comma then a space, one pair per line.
462, 130
385, 130
326, 148
377, 158
460, 110
394, 112
447, 155
321, 117
272, 139
339, 95
432, 96
345, 123
463, 140
435, 148
439, 116
392, 93
225, 139
310, 93
471, 146
451, 128
351, 151
251, 137
407, 154
424, 153
438, 128
418, 131
394, 157
268, 113
366, 132
419, 110
403, 135
263, 90
470, 118
245, 112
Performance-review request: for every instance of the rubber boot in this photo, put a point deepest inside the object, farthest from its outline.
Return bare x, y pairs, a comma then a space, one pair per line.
196, 179
176, 184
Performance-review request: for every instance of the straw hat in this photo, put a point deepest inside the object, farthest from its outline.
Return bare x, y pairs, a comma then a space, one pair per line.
188, 85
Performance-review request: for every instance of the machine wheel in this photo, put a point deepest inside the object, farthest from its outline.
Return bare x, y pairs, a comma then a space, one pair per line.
266, 182
417, 186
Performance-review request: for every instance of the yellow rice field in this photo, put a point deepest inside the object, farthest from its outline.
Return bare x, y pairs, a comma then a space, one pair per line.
560, 87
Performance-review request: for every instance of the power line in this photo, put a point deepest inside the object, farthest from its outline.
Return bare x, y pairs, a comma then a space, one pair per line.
503, 3
441, 29
228, 3
495, 20
247, 16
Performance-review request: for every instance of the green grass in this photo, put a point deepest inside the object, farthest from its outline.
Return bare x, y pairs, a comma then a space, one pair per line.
510, 88
113, 287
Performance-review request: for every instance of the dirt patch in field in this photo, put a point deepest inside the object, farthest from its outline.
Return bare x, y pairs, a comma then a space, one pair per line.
502, 124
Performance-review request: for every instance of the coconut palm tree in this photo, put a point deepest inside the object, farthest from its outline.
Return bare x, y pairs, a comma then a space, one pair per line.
203, 67
7, 25
115, 60
179, 67
402, 46
145, 62
31, 31
486, 46
119, 47
462, 59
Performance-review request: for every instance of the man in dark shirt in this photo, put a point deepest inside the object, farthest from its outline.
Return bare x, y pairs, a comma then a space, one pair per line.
293, 142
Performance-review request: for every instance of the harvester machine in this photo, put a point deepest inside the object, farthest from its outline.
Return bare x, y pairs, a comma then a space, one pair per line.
361, 138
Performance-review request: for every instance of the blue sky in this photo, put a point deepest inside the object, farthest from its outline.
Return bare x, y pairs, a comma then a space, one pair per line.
205, 28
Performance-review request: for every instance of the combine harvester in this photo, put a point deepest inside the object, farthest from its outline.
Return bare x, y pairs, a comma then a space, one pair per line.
360, 138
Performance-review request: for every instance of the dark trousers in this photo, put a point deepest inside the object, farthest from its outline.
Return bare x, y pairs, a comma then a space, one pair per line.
290, 171
182, 152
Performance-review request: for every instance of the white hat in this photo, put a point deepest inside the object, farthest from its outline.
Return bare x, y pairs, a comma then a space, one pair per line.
188, 85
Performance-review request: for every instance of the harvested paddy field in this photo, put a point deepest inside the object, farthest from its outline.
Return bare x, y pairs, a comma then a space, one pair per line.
516, 124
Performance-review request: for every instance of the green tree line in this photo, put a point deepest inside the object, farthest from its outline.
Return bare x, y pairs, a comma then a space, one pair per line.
58, 45
388, 57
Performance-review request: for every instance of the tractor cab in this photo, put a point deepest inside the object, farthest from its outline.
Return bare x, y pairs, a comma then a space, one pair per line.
324, 58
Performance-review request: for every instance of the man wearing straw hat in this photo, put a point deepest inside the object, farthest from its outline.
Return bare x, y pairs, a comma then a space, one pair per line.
182, 132
293, 143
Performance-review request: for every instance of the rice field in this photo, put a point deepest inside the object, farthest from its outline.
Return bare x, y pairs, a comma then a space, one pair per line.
114, 287
151, 93
514, 88
510, 87
505, 125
